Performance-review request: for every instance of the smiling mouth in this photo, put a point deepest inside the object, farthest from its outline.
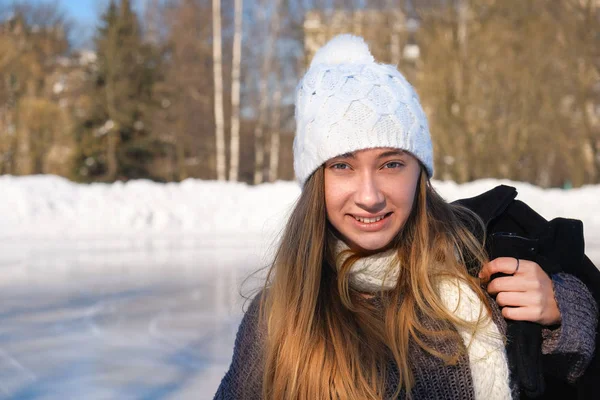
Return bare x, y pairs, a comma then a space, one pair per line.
371, 220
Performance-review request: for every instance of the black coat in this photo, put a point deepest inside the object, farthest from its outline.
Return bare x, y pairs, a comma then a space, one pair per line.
557, 246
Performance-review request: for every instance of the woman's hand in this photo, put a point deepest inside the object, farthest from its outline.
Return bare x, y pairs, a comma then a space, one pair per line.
528, 295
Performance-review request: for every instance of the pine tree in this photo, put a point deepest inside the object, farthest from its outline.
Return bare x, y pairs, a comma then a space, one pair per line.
116, 139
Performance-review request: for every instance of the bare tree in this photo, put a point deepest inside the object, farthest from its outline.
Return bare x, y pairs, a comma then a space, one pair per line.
186, 116
259, 145
583, 30
218, 79
501, 101
235, 92
32, 37
9, 56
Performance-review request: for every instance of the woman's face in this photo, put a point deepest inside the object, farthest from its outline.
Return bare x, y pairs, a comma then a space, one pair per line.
369, 195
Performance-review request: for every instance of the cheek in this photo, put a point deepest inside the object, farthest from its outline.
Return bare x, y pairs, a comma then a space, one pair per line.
333, 203
405, 197
331, 197
337, 196
404, 200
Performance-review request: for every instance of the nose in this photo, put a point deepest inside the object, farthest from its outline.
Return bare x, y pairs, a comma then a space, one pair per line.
368, 195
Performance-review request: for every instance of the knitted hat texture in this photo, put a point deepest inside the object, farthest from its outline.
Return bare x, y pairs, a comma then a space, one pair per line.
347, 102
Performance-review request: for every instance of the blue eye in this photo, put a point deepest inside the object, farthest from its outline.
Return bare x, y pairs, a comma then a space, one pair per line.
339, 166
394, 164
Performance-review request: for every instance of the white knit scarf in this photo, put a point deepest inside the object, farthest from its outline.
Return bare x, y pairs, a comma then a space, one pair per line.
485, 347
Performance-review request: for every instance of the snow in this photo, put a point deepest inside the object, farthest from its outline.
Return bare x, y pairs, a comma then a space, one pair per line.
49, 207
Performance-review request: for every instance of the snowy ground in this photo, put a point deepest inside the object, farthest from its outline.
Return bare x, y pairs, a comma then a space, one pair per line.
130, 291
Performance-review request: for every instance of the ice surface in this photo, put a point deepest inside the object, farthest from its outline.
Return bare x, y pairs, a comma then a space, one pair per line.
147, 327
118, 341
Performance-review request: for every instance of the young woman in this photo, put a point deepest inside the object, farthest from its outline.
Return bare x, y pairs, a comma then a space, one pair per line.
375, 291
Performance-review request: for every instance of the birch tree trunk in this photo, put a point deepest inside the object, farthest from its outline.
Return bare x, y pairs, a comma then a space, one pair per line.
458, 107
235, 93
218, 81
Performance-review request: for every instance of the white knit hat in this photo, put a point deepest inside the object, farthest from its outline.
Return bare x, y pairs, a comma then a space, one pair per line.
348, 102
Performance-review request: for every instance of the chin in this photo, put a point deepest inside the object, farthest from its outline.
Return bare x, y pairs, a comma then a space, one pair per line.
373, 245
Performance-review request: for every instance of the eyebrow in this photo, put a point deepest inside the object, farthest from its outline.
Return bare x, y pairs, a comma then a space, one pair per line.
346, 155
391, 153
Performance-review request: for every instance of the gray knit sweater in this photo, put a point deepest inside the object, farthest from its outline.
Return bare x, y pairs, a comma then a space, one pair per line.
567, 351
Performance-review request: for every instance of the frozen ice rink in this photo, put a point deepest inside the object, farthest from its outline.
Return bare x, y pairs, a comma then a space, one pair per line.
153, 330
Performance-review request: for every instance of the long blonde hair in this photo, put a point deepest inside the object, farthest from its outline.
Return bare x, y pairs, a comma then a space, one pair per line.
324, 340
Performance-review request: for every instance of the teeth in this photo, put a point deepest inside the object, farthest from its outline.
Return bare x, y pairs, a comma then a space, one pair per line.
369, 220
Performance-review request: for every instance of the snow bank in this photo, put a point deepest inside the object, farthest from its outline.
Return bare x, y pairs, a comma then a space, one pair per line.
50, 207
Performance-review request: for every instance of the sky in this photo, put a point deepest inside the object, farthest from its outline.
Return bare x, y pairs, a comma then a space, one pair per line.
85, 15
84, 11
